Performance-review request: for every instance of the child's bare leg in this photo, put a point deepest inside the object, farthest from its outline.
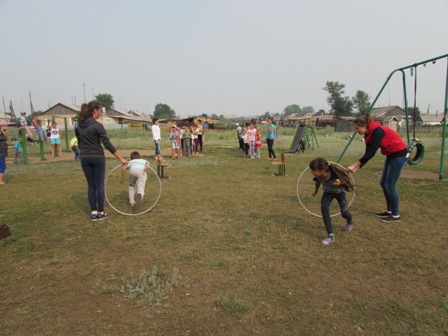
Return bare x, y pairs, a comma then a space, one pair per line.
52, 150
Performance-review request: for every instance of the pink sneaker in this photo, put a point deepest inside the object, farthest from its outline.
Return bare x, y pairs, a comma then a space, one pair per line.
328, 241
349, 227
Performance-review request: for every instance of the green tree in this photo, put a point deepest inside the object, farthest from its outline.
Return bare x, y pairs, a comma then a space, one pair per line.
307, 109
265, 115
163, 111
105, 99
340, 105
413, 114
292, 109
361, 102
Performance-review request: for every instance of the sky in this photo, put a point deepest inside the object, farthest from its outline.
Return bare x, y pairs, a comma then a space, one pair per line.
223, 57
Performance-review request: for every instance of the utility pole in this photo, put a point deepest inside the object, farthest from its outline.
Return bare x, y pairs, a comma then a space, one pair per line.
84, 90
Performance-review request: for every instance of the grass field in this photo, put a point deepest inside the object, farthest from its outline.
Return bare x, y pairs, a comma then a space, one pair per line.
227, 250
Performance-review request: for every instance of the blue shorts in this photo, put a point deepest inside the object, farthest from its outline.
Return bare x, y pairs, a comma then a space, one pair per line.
2, 165
56, 141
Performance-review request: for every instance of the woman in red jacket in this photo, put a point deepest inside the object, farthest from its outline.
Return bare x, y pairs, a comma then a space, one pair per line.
395, 149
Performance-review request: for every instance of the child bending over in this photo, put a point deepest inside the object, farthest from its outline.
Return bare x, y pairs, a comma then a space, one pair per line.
137, 178
334, 188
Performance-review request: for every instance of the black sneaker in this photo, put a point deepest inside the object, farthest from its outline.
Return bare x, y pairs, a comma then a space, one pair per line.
102, 215
383, 214
390, 219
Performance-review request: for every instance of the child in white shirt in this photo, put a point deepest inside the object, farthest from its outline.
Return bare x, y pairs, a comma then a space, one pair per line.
137, 178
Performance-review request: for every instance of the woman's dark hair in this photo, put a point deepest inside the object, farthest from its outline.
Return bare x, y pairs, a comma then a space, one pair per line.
364, 120
135, 155
87, 110
154, 120
319, 164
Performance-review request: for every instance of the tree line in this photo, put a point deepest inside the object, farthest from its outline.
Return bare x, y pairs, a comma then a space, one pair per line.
340, 104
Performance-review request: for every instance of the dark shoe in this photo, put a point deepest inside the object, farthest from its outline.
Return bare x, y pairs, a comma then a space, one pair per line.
94, 216
391, 219
383, 214
102, 215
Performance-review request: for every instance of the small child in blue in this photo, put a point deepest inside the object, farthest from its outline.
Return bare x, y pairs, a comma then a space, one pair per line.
333, 189
137, 178
18, 157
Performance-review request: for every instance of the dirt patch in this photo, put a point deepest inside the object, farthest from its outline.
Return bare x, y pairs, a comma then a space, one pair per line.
415, 174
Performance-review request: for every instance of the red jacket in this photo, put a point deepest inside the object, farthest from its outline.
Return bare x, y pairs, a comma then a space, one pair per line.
391, 142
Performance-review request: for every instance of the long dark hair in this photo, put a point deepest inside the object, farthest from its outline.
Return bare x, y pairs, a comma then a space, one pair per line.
319, 164
87, 110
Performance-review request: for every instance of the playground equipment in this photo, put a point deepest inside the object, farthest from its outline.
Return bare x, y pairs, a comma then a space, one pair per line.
22, 134
304, 138
414, 143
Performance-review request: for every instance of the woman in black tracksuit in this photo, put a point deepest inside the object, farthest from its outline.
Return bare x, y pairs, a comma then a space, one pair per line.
91, 134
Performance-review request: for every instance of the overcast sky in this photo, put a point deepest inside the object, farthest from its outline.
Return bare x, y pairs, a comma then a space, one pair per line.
230, 57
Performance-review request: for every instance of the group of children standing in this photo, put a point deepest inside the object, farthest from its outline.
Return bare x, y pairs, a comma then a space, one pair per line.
186, 140
250, 141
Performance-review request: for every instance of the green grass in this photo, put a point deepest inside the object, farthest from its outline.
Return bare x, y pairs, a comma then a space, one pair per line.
249, 257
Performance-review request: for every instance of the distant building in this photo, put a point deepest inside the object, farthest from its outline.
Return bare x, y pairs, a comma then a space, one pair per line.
62, 113
428, 120
122, 117
207, 122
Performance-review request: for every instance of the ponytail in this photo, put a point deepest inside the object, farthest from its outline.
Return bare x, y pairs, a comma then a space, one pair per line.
363, 120
87, 110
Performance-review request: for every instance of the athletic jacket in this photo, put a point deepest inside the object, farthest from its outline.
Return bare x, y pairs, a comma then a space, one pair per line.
90, 135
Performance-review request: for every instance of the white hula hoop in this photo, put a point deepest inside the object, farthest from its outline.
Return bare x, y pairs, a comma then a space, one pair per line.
132, 214
352, 180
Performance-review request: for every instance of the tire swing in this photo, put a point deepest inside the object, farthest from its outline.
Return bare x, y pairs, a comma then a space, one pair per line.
419, 152
415, 143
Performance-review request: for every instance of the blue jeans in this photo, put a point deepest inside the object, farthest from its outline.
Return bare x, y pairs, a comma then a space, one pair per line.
94, 168
75, 150
389, 178
40, 132
157, 143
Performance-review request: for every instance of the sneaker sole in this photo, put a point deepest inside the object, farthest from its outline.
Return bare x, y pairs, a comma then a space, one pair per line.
387, 220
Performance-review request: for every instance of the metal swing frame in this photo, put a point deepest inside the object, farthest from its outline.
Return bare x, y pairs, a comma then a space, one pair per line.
412, 143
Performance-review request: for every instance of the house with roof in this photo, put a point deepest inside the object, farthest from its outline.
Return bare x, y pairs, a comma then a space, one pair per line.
380, 113
296, 119
131, 117
60, 113
429, 120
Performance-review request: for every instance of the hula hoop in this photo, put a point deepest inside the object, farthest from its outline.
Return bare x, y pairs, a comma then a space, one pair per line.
132, 214
312, 213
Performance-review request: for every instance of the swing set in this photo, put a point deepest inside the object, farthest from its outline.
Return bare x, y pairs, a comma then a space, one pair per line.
415, 146
41, 142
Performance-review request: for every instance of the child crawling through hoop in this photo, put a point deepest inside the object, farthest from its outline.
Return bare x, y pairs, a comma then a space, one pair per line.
334, 185
137, 178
